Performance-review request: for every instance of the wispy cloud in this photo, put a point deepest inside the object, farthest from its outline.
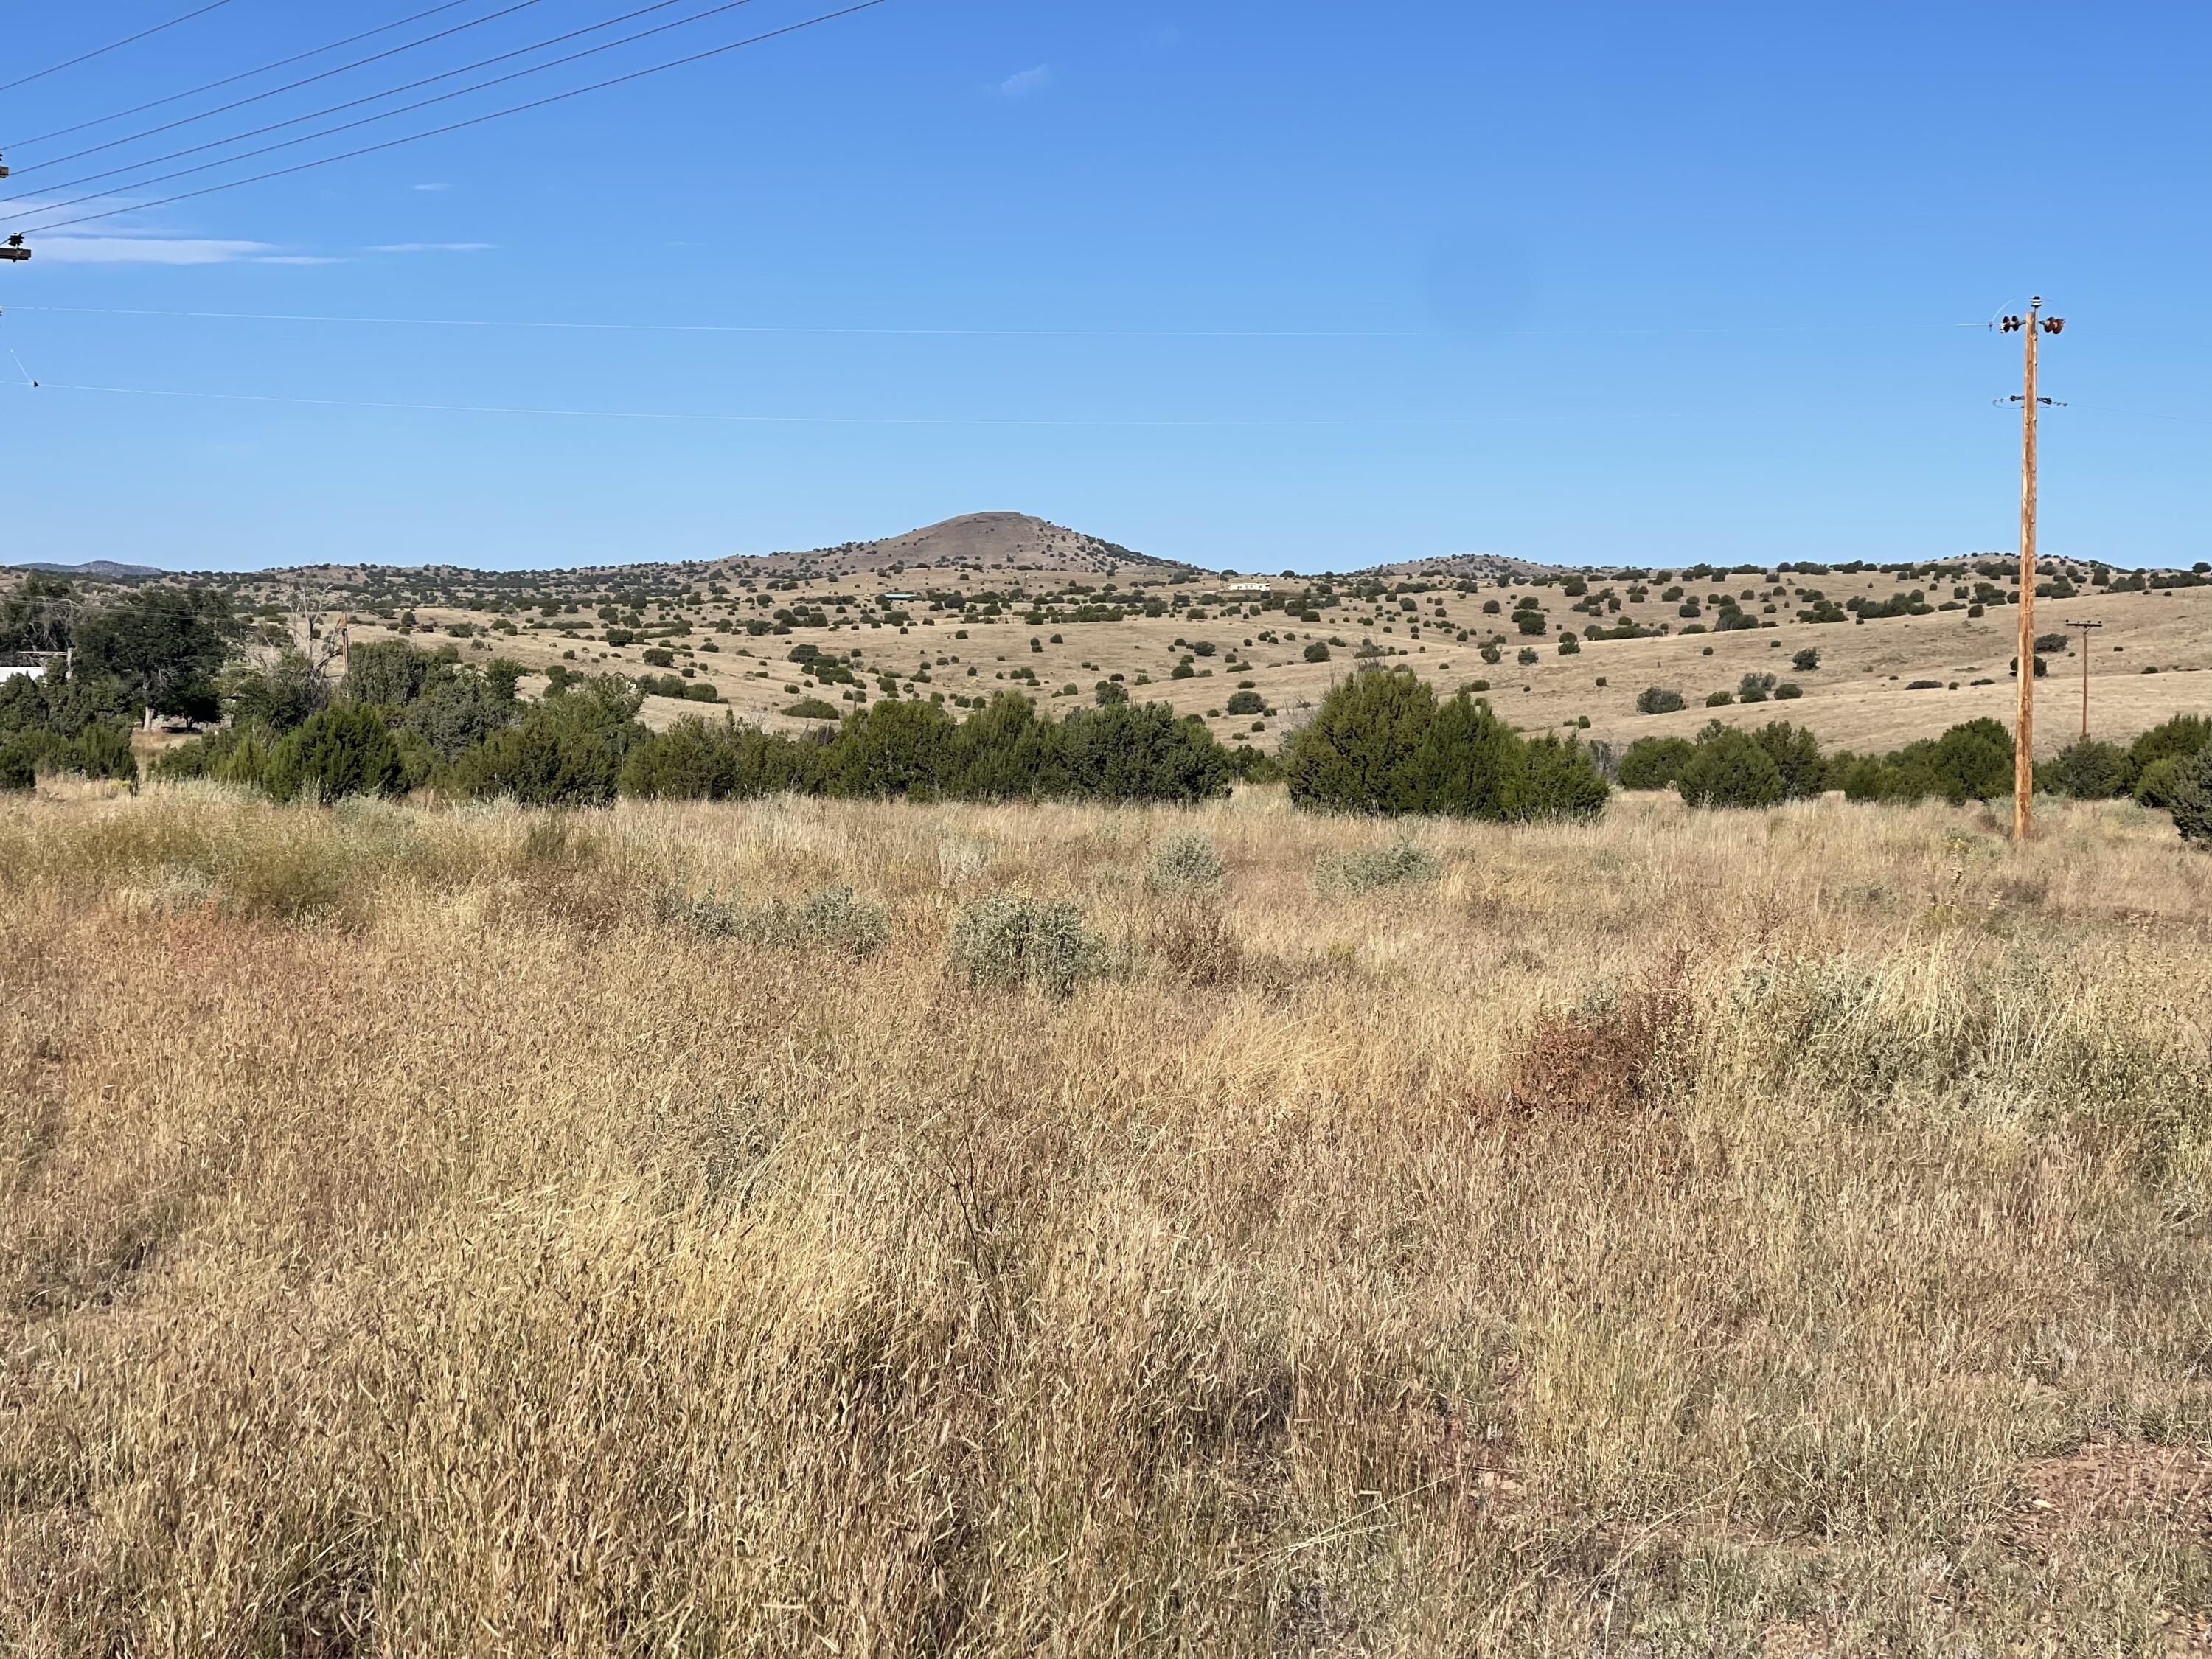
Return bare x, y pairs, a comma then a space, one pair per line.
432, 247
1028, 83
434, 188
160, 250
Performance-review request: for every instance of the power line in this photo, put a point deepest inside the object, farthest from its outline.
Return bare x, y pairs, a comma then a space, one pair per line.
273, 92
116, 45
457, 126
2142, 414
229, 80
715, 418
385, 115
628, 327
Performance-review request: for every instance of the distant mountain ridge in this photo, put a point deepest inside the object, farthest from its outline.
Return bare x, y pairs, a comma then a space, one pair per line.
105, 571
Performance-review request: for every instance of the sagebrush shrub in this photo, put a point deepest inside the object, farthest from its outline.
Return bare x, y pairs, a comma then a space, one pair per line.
1398, 864
1186, 861
839, 919
1011, 939
833, 918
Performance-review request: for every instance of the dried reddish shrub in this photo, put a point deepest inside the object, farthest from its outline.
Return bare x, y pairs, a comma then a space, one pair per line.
1602, 1061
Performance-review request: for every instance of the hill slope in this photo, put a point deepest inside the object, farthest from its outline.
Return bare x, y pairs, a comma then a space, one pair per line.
991, 541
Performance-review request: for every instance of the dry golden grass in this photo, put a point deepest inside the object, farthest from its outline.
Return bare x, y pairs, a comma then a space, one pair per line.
1721, 1234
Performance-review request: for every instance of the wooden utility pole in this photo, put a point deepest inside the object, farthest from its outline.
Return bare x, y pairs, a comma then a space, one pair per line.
2023, 752
2085, 627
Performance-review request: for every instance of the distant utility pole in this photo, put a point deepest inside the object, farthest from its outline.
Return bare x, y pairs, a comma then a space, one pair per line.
2023, 753
2085, 627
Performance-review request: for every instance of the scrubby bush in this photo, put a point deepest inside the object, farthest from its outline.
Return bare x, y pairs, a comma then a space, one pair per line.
892, 749
1396, 864
101, 751
1654, 762
1658, 699
1806, 662
1970, 762
1186, 861
1357, 753
1381, 743
238, 754
1730, 767
1247, 703
16, 772
2178, 738
1141, 753
1755, 688
1316, 652
2189, 797
1010, 939
568, 751
694, 760
2086, 769
2155, 787
811, 708
835, 919
344, 750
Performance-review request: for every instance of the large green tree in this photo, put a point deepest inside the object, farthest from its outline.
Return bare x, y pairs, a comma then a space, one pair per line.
163, 646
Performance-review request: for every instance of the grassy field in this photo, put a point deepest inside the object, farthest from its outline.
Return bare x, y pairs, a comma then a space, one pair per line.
1881, 684
1857, 699
476, 1232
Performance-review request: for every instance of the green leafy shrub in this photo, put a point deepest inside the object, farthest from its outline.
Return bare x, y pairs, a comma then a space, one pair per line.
1316, 652
16, 771
1186, 861
1655, 763
2190, 794
1806, 662
1730, 768
1658, 699
694, 760
2086, 769
1397, 864
344, 750
567, 751
1970, 762
1381, 743
1247, 703
2154, 785
1147, 752
811, 708
1719, 699
1755, 688
101, 751
238, 754
1010, 939
1787, 691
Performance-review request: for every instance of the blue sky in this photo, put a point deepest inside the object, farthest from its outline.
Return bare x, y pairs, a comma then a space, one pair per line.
1279, 286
